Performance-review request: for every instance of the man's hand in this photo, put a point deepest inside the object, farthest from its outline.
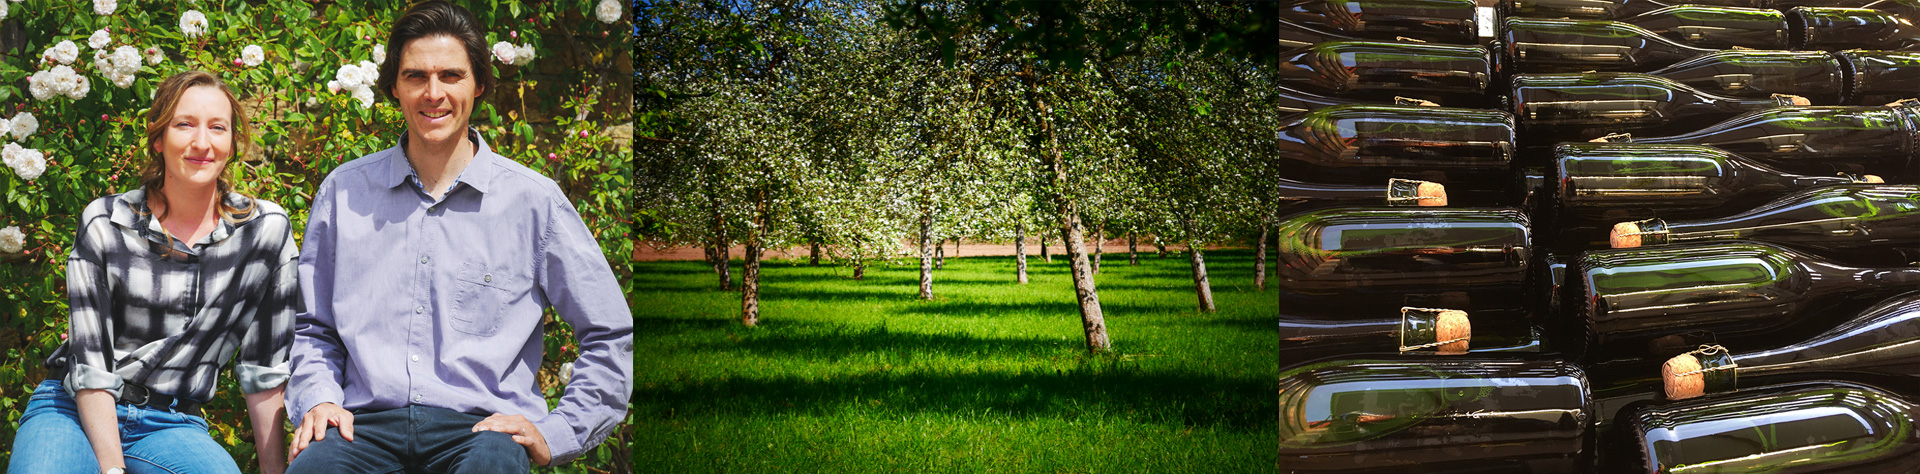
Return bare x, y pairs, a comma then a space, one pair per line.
523, 432
314, 426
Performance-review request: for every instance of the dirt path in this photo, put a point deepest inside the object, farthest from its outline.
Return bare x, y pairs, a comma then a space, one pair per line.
648, 253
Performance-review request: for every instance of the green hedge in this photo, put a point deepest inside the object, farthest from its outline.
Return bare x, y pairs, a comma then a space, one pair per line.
566, 113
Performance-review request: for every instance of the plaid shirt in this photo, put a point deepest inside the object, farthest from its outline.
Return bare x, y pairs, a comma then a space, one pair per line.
149, 310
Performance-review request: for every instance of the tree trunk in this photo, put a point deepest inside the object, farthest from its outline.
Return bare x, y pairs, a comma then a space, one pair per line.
859, 270
1260, 260
1159, 247
1201, 287
813, 257
1043, 248
1020, 253
1099, 237
1133, 252
724, 268
1091, 319
940, 255
926, 254
750, 277
956, 247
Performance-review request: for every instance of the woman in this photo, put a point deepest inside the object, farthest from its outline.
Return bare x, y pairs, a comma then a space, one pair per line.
168, 282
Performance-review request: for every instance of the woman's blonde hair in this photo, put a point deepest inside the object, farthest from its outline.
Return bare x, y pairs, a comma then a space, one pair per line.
153, 175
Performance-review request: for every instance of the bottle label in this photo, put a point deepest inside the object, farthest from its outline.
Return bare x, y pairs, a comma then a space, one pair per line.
1483, 17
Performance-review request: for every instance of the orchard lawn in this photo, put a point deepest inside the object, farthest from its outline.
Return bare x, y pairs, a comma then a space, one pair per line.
847, 375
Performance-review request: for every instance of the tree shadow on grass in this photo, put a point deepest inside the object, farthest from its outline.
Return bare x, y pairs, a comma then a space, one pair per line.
772, 293
982, 309
658, 269
842, 341
1189, 399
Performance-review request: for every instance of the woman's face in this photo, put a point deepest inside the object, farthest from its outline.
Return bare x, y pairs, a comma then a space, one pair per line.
198, 138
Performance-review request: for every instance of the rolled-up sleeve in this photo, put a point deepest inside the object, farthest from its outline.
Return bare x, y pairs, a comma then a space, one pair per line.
573, 275
317, 354
89, 331
263, 362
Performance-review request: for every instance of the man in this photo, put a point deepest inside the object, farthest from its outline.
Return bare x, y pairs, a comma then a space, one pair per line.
426, 267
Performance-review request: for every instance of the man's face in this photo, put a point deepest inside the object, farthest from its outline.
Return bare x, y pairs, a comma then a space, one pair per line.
435, 87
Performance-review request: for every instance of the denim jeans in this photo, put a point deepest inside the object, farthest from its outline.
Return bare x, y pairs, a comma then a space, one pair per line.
50, 440
413, 439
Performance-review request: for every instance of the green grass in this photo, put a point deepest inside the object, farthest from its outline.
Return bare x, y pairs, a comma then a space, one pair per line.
851, 375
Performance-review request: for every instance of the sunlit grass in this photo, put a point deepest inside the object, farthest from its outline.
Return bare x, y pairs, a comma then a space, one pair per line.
851, 375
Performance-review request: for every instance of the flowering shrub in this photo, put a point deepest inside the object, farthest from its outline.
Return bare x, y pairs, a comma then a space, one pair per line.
74, 87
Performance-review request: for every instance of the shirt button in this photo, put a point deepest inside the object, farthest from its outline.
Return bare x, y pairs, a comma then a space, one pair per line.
416, 357
488, 278
417, 398
424, 259
419, 309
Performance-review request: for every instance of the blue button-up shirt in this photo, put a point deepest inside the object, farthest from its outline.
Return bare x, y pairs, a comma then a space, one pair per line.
417, 301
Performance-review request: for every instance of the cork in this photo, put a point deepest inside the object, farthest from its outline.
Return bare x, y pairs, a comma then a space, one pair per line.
1625, 235
1431, 194
1681, 387
1449, 325
1794, 99
1871, 179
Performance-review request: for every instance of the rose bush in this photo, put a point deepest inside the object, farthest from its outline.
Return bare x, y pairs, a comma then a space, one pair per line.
76, 76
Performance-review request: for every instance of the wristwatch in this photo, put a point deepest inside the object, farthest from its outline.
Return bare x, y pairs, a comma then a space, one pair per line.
116, 470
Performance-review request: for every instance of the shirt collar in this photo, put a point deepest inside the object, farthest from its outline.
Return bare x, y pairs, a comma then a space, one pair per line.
130, 211
477, 174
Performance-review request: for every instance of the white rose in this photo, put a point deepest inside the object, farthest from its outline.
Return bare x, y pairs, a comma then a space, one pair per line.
523, 53
155, 56
348, 75
126, 59
40, 86
505, 52
81, 85
100, 39
102, 62
252, 55
193, 23
23, 125
122, 79
29, 164
365, 95
105, 7
608, 11
333, 86
380, 53
3, 10
12, 240
64, 53
369, 72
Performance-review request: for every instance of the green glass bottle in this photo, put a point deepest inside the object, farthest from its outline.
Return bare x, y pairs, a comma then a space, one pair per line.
1348, 262
1368, 144
1608, 10
1656, 303
1716, 27
1615, 180
1881, 77
1813, 140
1434, 415
1849, 222
1575, 106
1417, 331
1832, 29
1435, 21
1880, 346
1814, 427
1455, 76
1817, 76
1537, 45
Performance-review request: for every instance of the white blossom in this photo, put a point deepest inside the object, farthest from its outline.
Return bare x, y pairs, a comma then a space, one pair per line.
155, 56
380, 53
101, 39
252, 55
26, 162
608, 11
3, 10
333, 86
12, 240
193, 23
105, 7
365, 95
523, 54
505, 52
23, 124
61, 80
64, 53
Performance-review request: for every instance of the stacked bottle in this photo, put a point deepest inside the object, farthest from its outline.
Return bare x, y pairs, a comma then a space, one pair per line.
1654, 215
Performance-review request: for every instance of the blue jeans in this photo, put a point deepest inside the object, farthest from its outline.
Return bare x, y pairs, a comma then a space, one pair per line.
413, 439
50, 440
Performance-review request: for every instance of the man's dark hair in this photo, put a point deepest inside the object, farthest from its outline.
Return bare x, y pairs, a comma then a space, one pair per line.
437, 18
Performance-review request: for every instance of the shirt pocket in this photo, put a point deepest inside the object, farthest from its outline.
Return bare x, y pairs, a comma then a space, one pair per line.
479, 300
